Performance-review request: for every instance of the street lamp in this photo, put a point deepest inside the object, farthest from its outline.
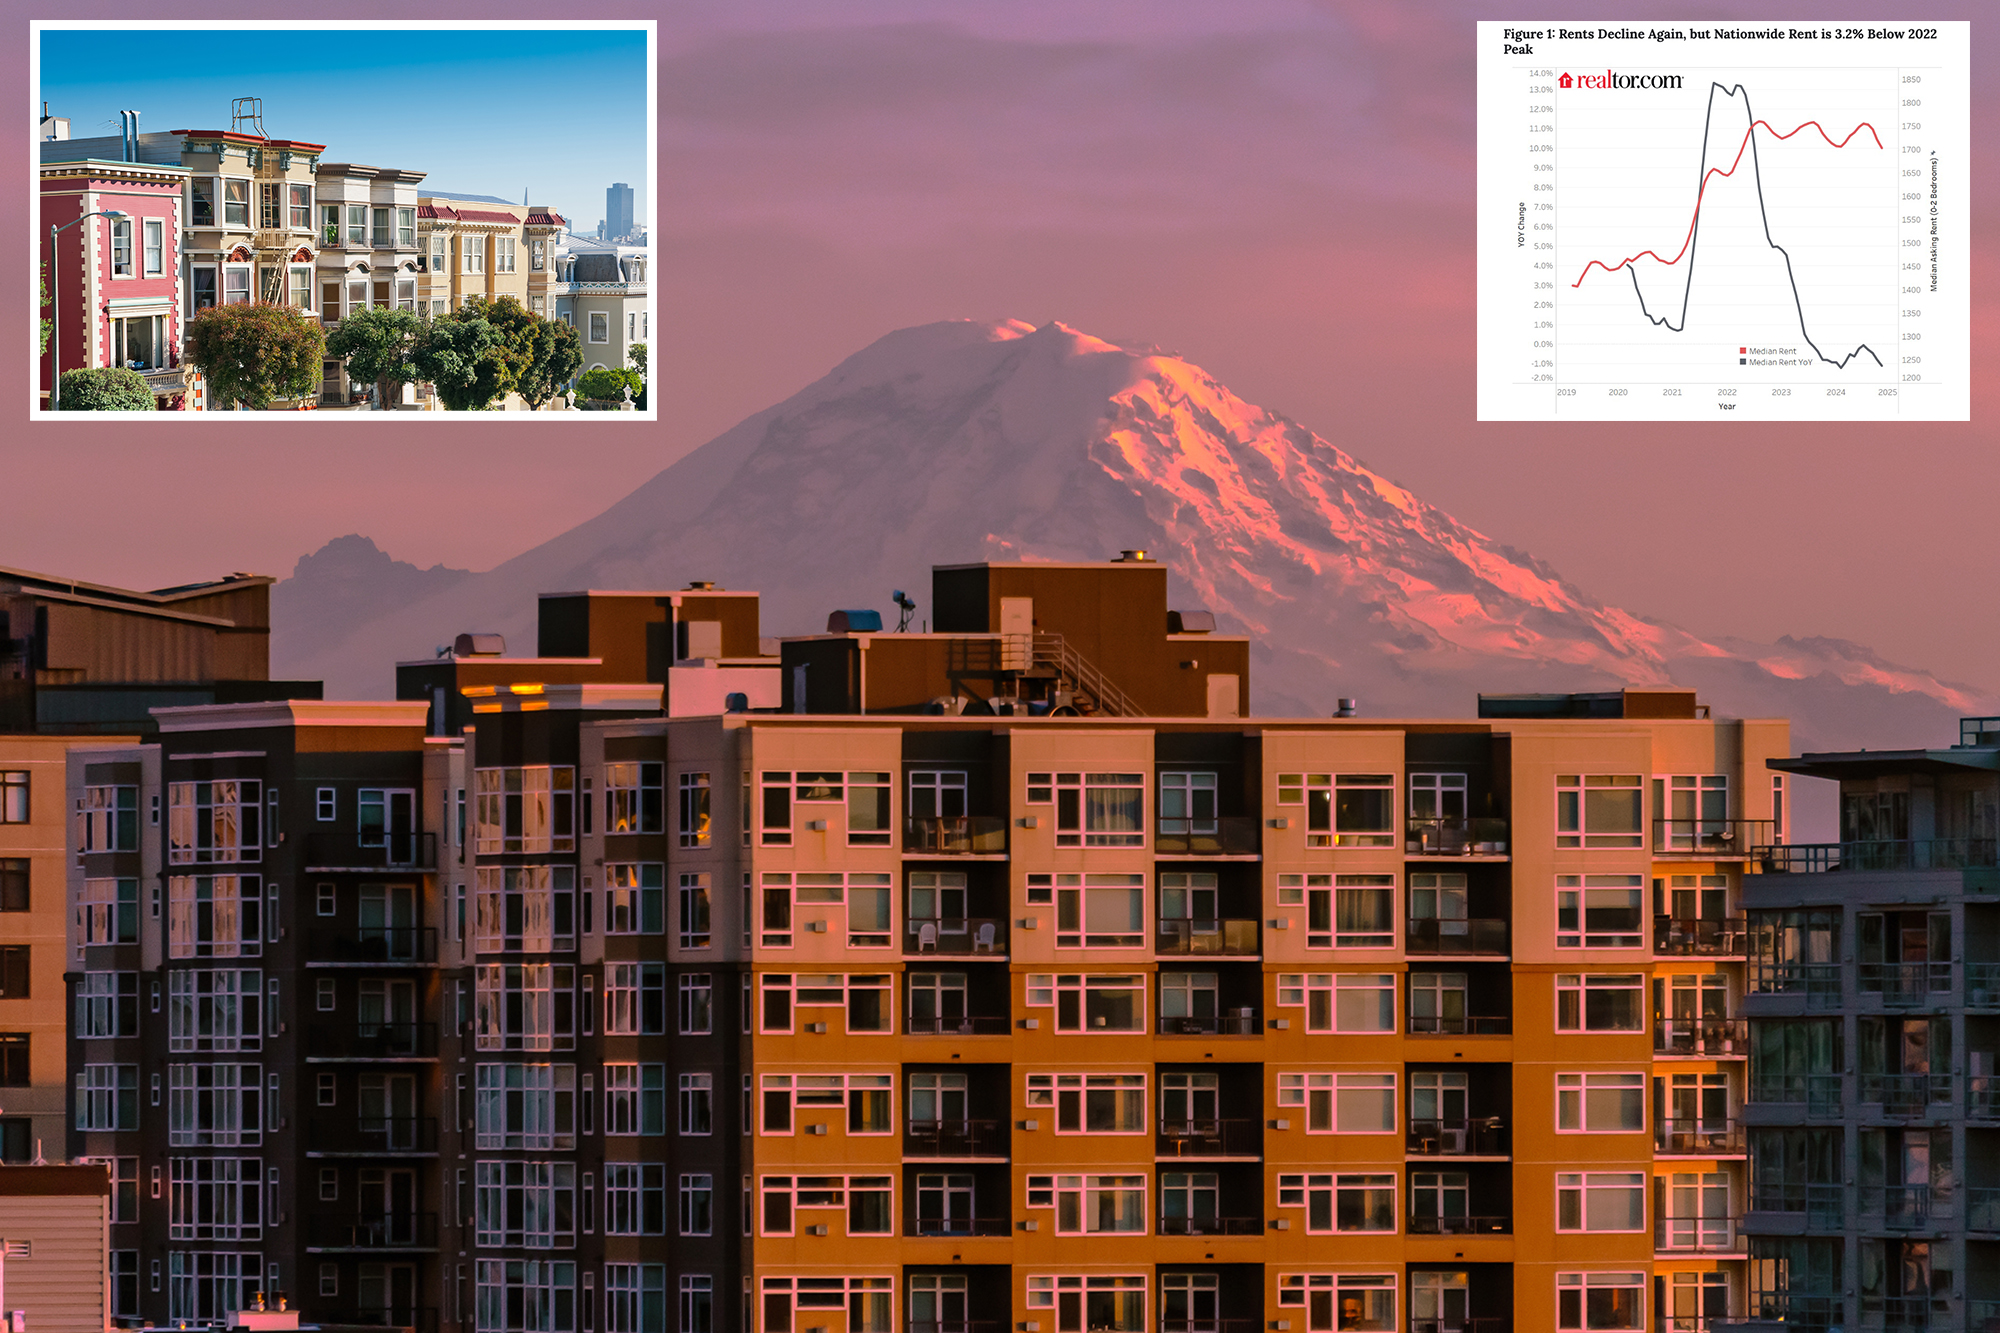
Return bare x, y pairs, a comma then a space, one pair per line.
55, 303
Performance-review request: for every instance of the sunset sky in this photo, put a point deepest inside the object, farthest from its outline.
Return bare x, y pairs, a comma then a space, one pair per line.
1279, 191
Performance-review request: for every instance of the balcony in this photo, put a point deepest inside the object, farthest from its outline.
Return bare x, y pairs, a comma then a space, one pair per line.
962, 1226
388, 945
1901, 1207
1455, 837
1708, 839
1901, 1314
378, 1231
1674, 1234
327, 849
1464, 1324
1823, 1205
1210, 1325
371, 1041
1819, 983
1982, 985
1182, 937
1686, 937
419, 1319
1457, 1138
1231, 835
965, 1025
1904, 1096
1701, 1038
1456, 935
1821, 1094
955, 935
1907, 985
1235, 1023
1209, 1138
1809, 1311
1460, 1226
1982, 1209
1698, 1136
1818, 858
956, 835
1982, 1097
373, 1136
955, 1138
1211, 1226
1469, 1025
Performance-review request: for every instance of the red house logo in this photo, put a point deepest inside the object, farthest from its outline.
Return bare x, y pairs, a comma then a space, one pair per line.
1564, 82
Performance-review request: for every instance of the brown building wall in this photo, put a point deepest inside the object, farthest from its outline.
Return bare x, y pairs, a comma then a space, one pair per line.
60, 1281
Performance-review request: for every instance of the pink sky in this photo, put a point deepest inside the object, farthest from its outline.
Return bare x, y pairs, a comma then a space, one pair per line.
1281, 192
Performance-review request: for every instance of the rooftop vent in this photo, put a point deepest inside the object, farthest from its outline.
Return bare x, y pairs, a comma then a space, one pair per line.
854, 622
1346, 708
1132, 557
701, 585
479, 645
1190, 622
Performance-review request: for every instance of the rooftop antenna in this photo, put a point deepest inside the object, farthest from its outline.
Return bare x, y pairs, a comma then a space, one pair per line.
250, 111
909, 609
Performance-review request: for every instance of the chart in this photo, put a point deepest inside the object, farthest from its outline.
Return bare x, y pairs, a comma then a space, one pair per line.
1722, 221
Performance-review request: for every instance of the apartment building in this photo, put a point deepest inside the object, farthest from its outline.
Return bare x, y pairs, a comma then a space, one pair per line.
1874, 1021
600, 291
478, 245
368, 253
250, 218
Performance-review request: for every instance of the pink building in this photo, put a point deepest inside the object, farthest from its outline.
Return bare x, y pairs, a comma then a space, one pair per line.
117, 280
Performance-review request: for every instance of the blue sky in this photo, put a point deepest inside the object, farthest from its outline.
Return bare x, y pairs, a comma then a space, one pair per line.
560, 114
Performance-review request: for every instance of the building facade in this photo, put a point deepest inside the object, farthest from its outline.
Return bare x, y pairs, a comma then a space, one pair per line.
473, 248
617, 211
600, 291
368, 252
251, 232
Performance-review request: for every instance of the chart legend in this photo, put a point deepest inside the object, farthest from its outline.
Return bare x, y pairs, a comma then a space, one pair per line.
1724, 221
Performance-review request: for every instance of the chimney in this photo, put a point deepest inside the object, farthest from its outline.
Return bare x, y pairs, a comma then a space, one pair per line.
1346, 708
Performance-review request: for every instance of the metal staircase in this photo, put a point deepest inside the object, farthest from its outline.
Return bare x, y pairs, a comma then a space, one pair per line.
1050, 654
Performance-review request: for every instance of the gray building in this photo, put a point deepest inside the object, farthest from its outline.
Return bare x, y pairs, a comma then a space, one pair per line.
1872, 1111
617, 211
600, 291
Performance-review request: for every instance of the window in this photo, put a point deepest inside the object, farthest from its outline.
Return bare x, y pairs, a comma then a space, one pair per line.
635, 1199
524, 909
107, 912
1364, 810
635, 899
526, 1296
1098, 1003
1342, 1103
524, 1007
697, 1205
1087, 1205
937, 1003
14, 971
635, 1298
1598, 810
406, 228
201, 194
357, 296
1099, 809
121, 247
867, 1098
600, 327
302, 288
215, 1198
537, 255
1345, 1300
1105, 1304
696, 919
1600, 912
697, 1095
406, 296
1437, 1002
14, 804
155, 247
864, 995
1341, 1002
1600, 1103
268, 205
107, 1004
357, 224
124, 1277
1599, 1002
472, 249
868, 921
235, 285
523, 1106
525, 809
107, 1096
694, 809
503, 254
1101, 912
1194, 997
697, 1004
214, 916
14, 897
634, 798
301, 207
868, 809
526, 1204
107, 819
1364, 912
538, 304
208, 1288
210, 822
635, 1099
215, 1105
1092, 1103
776, 810
937, 794
219, 1010
1600, 1201
1600, 1301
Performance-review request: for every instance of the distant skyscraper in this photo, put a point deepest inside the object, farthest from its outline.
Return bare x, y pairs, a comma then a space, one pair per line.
617, 211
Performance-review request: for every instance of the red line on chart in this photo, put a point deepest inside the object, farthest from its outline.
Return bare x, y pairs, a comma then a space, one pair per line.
1718, 171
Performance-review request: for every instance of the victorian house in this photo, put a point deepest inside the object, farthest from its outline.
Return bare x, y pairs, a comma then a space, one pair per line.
368, 250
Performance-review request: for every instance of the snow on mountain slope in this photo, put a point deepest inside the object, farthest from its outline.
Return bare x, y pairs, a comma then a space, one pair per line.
968, 440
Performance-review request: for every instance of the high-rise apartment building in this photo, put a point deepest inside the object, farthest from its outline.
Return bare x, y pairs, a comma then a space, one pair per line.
1003, 974
617, 211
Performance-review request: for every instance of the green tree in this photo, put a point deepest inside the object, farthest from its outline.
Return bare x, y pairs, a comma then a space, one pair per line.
254, 353
607, 385
546, 350
636, 354
467, 358
108, 389
47, 324
378, 344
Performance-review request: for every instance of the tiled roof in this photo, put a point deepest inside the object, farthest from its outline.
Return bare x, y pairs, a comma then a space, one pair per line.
450, 214
546, 220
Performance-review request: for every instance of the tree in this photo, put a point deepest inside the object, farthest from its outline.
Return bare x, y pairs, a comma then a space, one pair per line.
547, 351
47, 324
636, 354
108, 389
467, 358
378, 344
607, 385
254, 353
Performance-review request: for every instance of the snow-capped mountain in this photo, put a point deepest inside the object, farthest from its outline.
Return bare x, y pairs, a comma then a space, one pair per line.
968, 440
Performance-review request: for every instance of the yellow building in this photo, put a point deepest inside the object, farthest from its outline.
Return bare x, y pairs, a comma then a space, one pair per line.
483, 247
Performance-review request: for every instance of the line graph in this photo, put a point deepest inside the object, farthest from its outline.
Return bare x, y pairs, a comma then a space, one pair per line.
1694, 224
1683, 221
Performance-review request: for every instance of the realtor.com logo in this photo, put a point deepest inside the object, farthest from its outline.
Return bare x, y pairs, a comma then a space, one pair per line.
1610, 80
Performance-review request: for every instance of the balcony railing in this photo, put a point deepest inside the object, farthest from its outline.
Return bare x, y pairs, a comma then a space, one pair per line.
962, 1226
374, 1134
1982, 985
1820, 1094
965, 1025
1235, 1023
377, 944
955, 1138
1496, 1025
955, 935
1211, 1226
373, 851
1982, 1208
1811, 1311
1906, 984
391, 1231
1674, 1234
1982, 1097
1725, 937
1230, 835
1424, 1225
1209, 1138
1822, 1205
1485, 1137
1455, 837
1464, 1324
1818, 982
1210, 1325
1815, 858
1698, 1136
1906, 1094
1900, 1314
1902, 1207
1709, 837
1182, 936
1702, 1038
1455, 935
418, 1319
371, 1041
955, 1326
956, 835
1982, 1316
